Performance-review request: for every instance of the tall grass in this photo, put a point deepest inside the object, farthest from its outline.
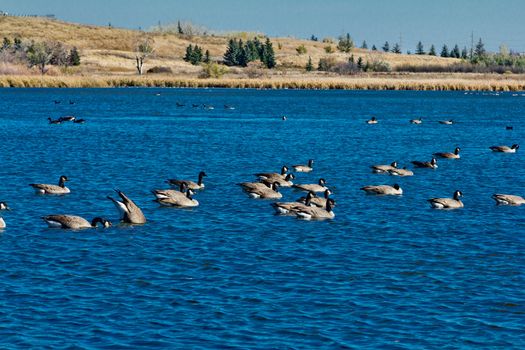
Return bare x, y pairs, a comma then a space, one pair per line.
326, 83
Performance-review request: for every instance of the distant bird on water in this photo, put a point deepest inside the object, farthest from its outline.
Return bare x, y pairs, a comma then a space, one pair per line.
505, 149
52, 189
74, 222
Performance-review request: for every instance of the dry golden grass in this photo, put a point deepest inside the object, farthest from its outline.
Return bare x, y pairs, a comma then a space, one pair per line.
108, 61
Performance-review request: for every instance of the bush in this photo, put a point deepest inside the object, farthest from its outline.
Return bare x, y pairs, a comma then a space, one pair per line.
327, 64
213, 70
159, 70
378, 66
328, 49
301, 49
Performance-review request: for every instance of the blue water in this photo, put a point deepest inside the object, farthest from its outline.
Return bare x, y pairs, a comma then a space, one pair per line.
386, 273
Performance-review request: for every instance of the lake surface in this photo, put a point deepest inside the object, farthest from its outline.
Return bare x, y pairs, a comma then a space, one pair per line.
386, 273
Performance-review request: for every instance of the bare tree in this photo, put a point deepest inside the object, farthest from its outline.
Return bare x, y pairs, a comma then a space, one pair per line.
143, 50
40, 55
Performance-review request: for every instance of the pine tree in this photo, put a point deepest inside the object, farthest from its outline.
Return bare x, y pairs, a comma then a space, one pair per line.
360, 63
464, 53
345, 43
268, 55
309, 65
196, 56
189, 53
207, 58
419, 49
479, 51
73, 59
230, 57
374, 48
444, 51
351, 60
314, 38
432, 51
455, 52
364, 45
242, 58
397, 48
179, 28
386, 47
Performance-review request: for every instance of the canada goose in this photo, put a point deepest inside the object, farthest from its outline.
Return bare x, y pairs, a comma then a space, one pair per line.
66, 119
283, 118
401, 172
231, 108
505, 149
286, 182
57, 102
383, 169
73, 222
51, 121
416, 121
208, 107
446, 122
180, 104
447, 203
176, 199
317, 201
508, 199
195, 105
301, 168
191, 185
383, 190
509, 128
265, 193
372, 120
52, 189
71, 102
4, 206
79, 121
309, 213
2, 223
319, 187
247, 186
264, 176
129, 211
448, 155
432, 164
285, 208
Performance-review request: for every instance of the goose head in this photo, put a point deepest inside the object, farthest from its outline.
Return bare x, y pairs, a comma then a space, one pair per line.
456, 151
393, 164
457, 195
275, 186
396, 187
330, 204
4, 206
322, 182
284, 170
104, 222
434, 161
327, 193
515, 146
62, 180
202, 174
310, 162
289, 177
189, 194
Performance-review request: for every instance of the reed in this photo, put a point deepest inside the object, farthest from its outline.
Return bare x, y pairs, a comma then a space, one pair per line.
384, 82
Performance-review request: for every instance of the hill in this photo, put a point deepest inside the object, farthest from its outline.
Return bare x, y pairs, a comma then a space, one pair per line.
109, 52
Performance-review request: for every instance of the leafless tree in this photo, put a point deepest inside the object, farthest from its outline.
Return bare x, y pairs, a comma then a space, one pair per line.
144, 49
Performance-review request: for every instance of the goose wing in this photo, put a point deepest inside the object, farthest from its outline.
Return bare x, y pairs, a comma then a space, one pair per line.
49, 188
66, 221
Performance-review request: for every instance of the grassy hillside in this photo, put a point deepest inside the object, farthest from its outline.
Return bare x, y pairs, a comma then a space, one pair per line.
109, 50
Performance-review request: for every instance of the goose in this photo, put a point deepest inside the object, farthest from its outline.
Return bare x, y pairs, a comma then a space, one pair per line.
71, 102
283, 118
247, 186
2, 223
57, 102
231, 108
176, 199
67, 118
286, 182
180, 104
319, 187
191, 185
4, 206
447, 203
383, 169
195, 105
301, 168
432, 164
372, 120
446, 122
129, 212
448, 155
74, 222
285, 208
416, 121
265, 193
79, 121
505, 149
309, 213
51, 121
159, 194
52, 189
508, 199
383, 190
317, 201
401, 172
264, 176
509, 128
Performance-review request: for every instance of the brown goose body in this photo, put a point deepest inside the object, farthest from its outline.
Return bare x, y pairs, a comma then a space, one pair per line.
432, 164
447, 203
383, 169
401, 172
505, 149
449, 155
508, 199
383, 190
199, 185
129, 211
316, 213
73, 222
52, 189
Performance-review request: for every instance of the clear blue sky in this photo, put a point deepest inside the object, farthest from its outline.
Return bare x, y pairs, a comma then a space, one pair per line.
431, 21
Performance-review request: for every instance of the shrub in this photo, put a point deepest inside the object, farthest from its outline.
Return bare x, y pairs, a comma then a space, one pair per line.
327, 64
213, 70
328, 49
159, 70
301, 49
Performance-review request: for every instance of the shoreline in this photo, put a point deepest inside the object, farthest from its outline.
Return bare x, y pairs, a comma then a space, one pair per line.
416, 82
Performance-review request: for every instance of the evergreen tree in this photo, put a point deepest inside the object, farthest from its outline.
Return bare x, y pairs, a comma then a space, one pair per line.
73, 59
196, 56
268, 55
374, 48
232, 52
386, 47
179, 28
479, 51
252, 50
432, 51
309, 65
207, 58
464, 53
345, 43
360, 63
444, 51
351, 60
314, 38
189, 53
455, 52
364, 45
419, 49
397, 48
242, 55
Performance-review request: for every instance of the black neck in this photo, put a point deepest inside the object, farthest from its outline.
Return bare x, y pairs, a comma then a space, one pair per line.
61, 183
